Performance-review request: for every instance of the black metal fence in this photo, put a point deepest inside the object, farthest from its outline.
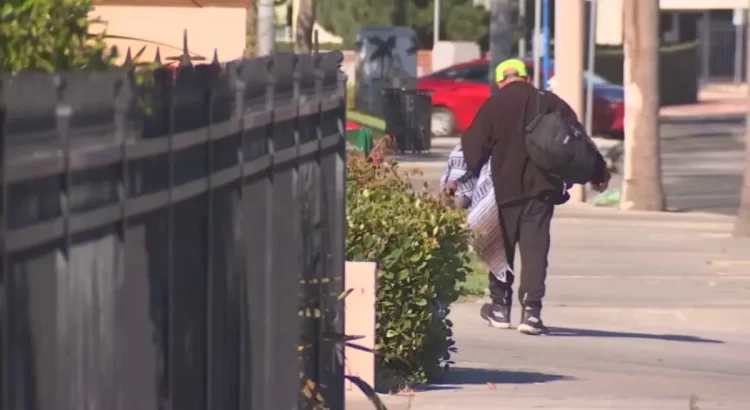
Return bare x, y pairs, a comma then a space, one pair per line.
170, 238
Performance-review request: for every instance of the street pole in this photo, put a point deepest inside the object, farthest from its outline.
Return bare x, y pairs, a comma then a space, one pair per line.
501, 36
642, 187
536, 46
545, 45
522, 25
436, 24
739, 37
569, 39
742, 223
590, 68
266, 31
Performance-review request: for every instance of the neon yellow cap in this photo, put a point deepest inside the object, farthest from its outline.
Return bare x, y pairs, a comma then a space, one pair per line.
512, 64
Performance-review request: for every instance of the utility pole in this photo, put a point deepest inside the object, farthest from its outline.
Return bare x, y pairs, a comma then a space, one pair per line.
501, 36
569, 26
642, 184
266, 30
436, 24
590, 61
742, 223
522, 25
251, 28
537, 43
546, 49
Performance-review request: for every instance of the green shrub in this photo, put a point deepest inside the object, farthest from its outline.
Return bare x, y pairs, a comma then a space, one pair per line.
422, 250
49, 35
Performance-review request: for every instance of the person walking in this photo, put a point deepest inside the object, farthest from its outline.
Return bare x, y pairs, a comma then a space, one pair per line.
525, 194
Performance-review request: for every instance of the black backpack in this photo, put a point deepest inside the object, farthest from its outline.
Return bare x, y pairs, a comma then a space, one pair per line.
560, 146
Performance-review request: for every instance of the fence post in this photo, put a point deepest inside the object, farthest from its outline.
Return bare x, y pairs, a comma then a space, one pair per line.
266, 392
4, 322
238, 123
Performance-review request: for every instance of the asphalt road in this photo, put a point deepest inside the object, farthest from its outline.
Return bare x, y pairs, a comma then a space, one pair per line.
702, 164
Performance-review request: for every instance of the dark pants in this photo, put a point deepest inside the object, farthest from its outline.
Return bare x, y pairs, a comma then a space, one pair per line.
527, 224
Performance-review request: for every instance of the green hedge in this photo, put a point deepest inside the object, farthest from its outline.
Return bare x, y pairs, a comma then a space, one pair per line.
422, 250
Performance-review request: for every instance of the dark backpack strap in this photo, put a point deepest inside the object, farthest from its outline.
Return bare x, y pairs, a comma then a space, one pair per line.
539, 110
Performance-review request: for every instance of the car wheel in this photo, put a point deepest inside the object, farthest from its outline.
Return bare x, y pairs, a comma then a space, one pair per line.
442, 122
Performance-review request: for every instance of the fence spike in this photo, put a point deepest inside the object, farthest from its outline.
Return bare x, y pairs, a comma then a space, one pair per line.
185, 60
128, 58
316, 42
215, 60
157, 56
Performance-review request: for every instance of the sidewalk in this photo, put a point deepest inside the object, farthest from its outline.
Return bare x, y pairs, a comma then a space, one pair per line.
646, 311
714, 101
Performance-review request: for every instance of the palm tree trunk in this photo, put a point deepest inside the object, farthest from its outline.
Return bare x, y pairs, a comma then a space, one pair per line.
642, 184
742, 224
303, 41
251, 28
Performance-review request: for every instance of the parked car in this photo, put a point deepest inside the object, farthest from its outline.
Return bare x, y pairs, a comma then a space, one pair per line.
458, 92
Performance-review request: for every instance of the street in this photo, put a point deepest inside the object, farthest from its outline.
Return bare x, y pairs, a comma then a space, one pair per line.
646, 310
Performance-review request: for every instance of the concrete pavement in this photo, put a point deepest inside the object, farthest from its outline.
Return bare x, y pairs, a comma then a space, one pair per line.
647, 311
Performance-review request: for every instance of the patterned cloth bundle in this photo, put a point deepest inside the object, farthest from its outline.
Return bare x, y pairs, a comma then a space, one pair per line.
483, 216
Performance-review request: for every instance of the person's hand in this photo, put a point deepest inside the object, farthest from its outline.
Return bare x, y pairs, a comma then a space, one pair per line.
450, 187
600, 186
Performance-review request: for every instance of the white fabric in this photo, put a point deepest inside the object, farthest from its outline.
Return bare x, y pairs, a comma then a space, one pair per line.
483, 216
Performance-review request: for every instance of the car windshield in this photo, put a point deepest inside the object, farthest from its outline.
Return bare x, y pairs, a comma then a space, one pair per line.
587, 77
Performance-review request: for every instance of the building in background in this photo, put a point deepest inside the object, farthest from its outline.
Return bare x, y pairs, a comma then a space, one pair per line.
717, 25
217, 26
211, 26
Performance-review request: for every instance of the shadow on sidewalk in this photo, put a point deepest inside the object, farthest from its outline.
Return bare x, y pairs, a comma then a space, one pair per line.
462, 376
570, 332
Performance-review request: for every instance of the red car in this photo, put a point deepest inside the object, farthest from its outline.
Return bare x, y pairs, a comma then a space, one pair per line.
458, 92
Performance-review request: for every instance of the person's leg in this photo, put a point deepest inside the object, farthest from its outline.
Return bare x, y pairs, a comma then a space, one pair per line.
534, 244
501, 289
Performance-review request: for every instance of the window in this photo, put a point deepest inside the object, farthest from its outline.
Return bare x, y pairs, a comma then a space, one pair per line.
478, 73
446, 74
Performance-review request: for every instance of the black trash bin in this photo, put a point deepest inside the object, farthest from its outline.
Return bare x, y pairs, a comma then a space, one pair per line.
407, 114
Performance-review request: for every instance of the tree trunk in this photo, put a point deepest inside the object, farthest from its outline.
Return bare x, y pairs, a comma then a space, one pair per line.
742, 224
303, 41
642, 184
251, 28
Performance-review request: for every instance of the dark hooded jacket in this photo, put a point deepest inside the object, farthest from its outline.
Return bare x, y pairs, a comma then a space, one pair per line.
498, 132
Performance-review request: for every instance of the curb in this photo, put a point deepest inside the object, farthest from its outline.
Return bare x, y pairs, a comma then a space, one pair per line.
699, 118
575, 210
